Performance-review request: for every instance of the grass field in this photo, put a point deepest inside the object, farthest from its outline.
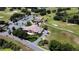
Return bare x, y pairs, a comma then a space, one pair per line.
61, 35
5, 15
7, 49
63, 25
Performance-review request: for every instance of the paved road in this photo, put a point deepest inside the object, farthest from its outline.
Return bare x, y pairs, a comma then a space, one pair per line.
39, 39
25, 42
20, 23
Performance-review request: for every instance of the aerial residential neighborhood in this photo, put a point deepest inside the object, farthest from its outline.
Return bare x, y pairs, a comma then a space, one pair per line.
39, 29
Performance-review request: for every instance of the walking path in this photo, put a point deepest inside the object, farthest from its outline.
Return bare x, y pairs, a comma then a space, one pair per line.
62, 29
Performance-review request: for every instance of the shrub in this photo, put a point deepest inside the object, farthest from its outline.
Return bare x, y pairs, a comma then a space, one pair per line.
5, 44
43, 12
58, 17
2, 8
16, 16
57, 46
29, 24
48, 11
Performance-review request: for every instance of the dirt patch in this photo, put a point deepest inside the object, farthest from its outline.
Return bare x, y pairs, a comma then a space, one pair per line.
76, 40
71, 36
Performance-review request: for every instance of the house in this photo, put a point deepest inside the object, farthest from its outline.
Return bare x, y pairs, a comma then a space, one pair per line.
33, 29
37, 18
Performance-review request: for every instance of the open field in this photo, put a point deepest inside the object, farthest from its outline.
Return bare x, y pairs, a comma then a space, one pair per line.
63, 25
7, 49
62, 36
5, 15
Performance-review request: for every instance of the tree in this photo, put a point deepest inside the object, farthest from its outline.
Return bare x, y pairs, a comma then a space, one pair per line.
61, 16
48, 11
24, 10
11, 9
42, 12
2, 8
1, 29
74, 19
20, 33
28, 13
19, 8
45, 27
67, 47
2, 22
57, 18
23, 35
35, 9
1, 42
43, 42
13, 28
62, 9
59, 9
29, 24
5, 44
53, 11
16, 16
54, 45
57, 46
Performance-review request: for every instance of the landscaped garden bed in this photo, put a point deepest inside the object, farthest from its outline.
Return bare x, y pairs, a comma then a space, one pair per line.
23, 35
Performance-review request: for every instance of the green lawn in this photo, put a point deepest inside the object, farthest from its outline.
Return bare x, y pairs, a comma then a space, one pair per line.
63, 25
62, 36
7, 49
5, 15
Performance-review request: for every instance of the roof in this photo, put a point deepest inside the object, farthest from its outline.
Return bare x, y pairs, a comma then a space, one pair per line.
33, 28
38, 18
2, 26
